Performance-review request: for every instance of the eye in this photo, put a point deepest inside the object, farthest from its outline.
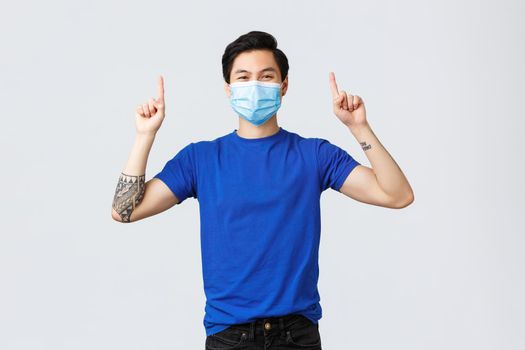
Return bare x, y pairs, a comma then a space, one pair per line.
269, 76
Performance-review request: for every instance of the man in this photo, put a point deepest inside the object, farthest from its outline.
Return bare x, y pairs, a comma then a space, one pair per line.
259, 190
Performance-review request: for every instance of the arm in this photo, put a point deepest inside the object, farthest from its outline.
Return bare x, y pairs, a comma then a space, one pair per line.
135, 199
384, 184
153, 196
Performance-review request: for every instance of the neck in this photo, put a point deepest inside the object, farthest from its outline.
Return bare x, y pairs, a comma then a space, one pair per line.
250, 131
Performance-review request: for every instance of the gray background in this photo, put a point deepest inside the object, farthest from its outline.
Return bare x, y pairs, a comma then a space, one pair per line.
443, 86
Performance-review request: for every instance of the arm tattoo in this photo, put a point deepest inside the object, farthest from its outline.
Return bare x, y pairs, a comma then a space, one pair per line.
365, 146
129, 193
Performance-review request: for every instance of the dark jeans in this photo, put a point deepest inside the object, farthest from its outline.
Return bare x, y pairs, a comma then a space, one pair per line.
291, 331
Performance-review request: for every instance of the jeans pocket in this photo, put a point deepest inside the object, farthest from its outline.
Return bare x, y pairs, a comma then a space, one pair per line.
226, 339
304, 334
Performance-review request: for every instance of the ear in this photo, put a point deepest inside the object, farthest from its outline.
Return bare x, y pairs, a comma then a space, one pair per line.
285, 86
227, 89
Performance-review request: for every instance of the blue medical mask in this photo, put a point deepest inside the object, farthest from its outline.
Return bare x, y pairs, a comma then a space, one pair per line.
256, 101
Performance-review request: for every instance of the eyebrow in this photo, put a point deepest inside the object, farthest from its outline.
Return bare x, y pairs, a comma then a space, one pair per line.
267, 69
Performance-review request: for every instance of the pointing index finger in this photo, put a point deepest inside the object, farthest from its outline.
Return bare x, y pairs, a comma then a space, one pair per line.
333, 85
160, 87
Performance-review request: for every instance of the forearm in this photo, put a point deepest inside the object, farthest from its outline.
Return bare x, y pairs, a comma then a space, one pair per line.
389, 176
131, 183
138, 158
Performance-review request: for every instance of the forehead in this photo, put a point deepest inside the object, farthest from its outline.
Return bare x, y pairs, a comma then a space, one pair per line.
254, 61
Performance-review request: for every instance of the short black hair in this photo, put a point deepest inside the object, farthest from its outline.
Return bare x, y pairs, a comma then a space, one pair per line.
254, 40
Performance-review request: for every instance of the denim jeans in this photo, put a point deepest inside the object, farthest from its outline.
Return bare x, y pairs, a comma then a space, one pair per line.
293, 331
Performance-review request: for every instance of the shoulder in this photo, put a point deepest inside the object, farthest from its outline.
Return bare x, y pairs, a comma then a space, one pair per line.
303, 140
322, 148
209, 146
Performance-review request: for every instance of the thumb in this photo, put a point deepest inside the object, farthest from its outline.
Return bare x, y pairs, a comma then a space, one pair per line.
338, 100
159, 103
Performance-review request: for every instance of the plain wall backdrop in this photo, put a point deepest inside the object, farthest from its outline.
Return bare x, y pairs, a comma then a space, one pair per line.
443, 86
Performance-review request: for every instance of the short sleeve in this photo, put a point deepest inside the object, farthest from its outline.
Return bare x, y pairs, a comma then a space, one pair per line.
179, 174
334, 164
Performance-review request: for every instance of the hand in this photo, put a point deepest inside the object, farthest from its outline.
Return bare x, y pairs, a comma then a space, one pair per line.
149, 116
350, 109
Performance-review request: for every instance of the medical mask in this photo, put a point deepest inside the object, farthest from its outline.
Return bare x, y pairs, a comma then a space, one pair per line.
256, 101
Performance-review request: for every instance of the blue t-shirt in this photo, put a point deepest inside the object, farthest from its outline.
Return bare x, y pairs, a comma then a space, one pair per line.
259, 202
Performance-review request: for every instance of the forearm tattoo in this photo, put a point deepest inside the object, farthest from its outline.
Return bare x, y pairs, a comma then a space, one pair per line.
129, 193
365, 146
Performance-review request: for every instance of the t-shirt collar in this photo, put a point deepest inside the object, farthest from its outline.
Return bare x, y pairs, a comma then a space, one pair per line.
274, 137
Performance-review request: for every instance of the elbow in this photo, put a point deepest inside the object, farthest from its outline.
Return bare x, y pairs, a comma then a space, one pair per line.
126, 219
115, 216
405, 201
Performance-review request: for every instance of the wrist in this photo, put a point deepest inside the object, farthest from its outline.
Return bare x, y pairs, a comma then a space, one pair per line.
359, 130
145, 134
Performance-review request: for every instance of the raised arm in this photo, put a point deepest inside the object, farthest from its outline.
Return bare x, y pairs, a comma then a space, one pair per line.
384, 184
134, 198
